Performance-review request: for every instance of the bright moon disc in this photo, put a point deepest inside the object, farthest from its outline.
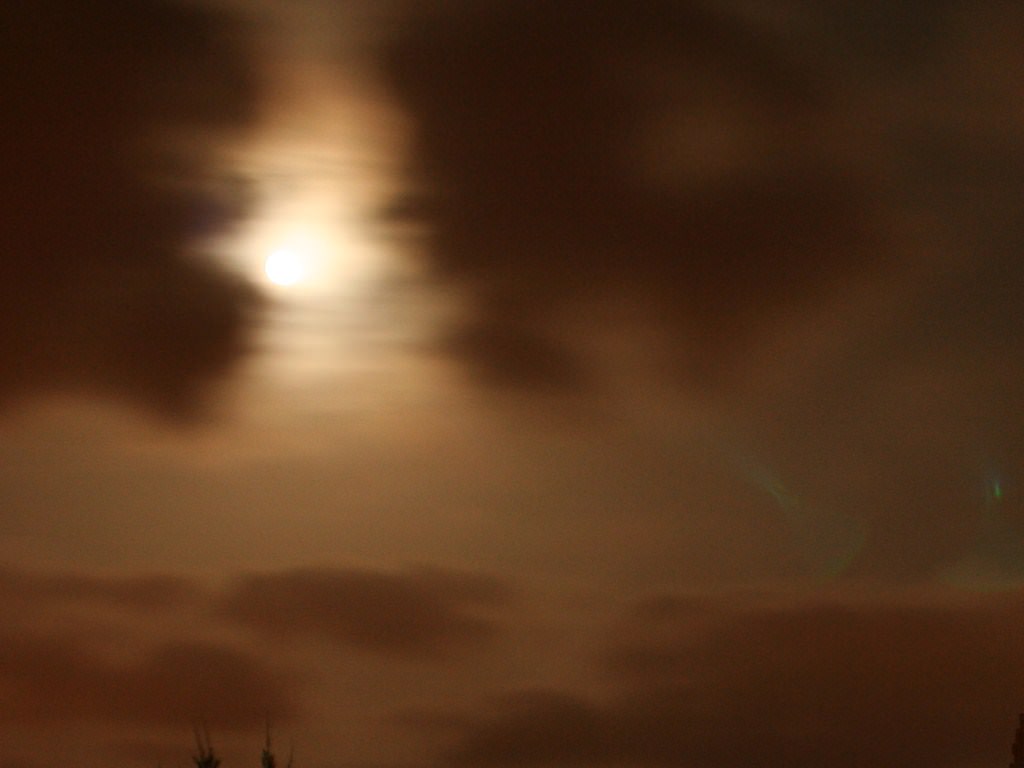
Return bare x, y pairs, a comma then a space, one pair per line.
286, 267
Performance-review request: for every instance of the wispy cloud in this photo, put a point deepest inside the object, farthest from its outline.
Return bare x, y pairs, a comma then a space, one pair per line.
417, 615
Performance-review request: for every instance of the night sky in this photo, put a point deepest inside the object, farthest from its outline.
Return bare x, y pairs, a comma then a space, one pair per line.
464, 383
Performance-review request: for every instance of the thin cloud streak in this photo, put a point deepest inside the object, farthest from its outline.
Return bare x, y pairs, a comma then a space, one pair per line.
421, 615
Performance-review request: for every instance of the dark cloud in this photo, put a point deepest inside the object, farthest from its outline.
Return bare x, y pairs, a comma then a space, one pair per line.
110, 106
576, 150
38, 590
419, 614
540, 726
719, 683
50, 679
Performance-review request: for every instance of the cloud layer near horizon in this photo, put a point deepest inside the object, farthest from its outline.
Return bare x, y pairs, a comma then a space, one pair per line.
57, 664
781, 682
719, 678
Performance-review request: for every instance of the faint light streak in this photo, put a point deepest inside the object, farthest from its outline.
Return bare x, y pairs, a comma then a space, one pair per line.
828, 540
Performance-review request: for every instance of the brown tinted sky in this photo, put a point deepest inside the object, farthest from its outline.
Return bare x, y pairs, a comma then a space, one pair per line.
648, 389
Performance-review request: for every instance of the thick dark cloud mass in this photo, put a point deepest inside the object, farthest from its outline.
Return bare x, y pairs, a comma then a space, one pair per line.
670, 156
422, 614
56, 679
109, 105
875, 683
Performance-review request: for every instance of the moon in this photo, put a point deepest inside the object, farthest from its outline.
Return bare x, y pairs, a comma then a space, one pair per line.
302, 258
287, 266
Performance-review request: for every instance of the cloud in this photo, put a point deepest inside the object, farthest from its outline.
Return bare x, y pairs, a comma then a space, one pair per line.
54, 679
140, 593
579, 154
65, 657
103, 177
852, 681
418, 615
